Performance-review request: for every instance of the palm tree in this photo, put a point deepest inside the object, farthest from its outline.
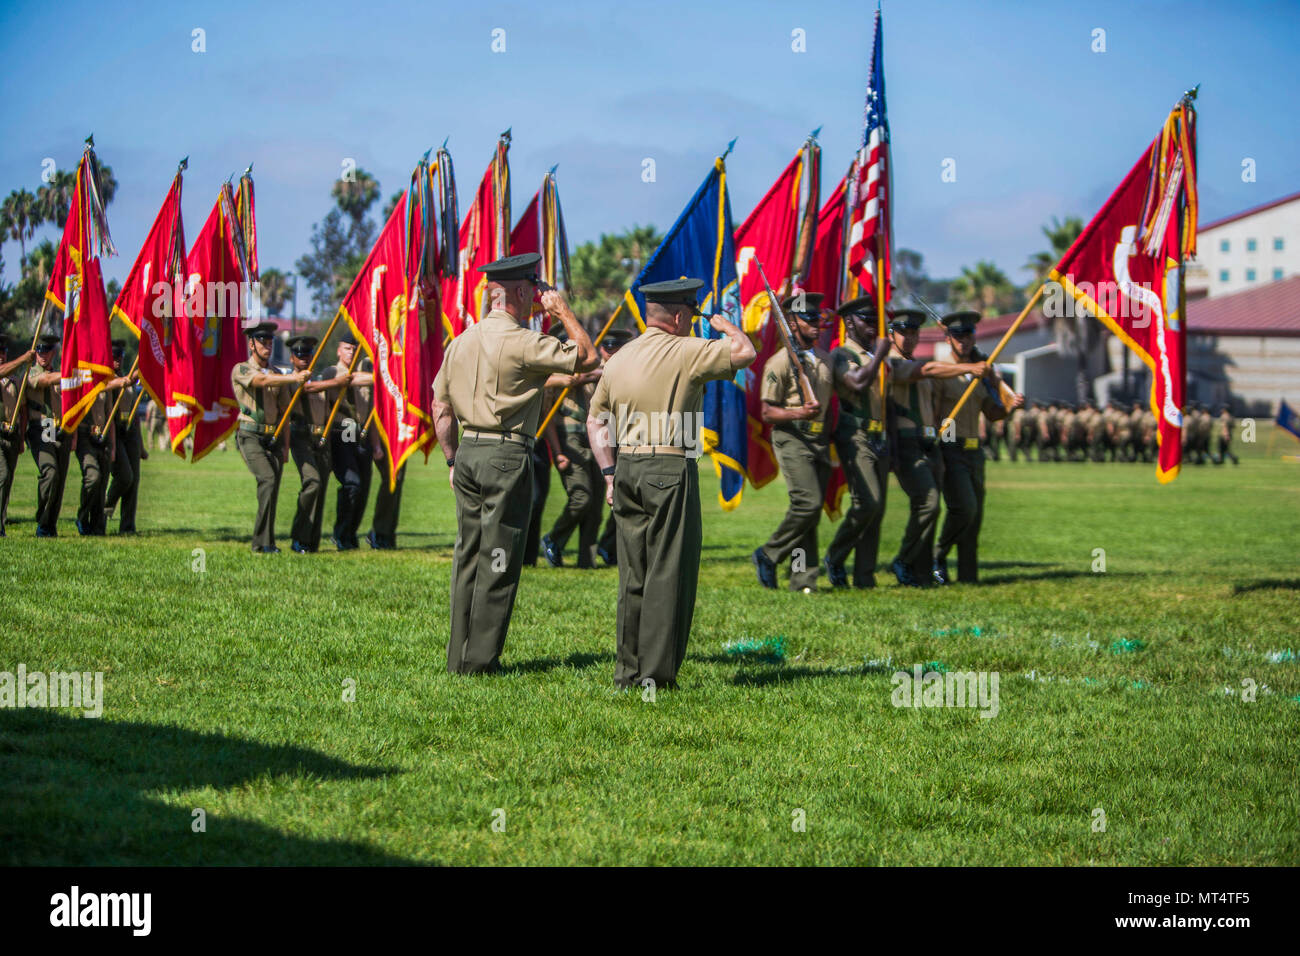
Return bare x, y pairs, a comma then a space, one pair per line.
275, 291
983, 287
356, 194
54, 199
1060, 237
21, 213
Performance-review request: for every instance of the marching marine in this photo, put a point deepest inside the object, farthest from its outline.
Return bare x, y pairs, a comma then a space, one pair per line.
124, 483
801, 443
963, 459
351, 442
50, 445
308, 444
261, 395
11, 435
861, 444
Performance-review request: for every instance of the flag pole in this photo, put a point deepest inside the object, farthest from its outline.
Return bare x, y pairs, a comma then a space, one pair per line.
121, 391
970, 387
560, 401
22, 387
325, 434
311, 367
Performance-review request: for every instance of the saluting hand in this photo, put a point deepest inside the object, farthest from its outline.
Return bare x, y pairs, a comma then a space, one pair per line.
720, 324
553, 301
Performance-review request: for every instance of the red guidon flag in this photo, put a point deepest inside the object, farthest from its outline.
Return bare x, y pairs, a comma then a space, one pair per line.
484, 237
150, 297
215, 287
87, 348
76, 287
383, 310
767, 235
1126, 270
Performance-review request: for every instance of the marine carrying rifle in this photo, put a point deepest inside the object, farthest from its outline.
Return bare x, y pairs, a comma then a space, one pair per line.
787, 340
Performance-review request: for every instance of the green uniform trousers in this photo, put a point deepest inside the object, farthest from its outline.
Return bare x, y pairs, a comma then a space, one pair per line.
124, 488
8, 466
95, 464
388, 504
51, 459
659, 530
541, 488
866, 470
585, 486
920, 473
314, 472
806, 466
609, 537
493, 482
963, 494
266, 466
350, 461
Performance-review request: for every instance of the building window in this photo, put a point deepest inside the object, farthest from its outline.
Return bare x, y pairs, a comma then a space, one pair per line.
1277, 245
1250, 245
1223, 245
1223, 275
1277, 274
1250, 275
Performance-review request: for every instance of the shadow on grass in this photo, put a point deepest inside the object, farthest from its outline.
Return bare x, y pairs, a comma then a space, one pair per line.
786, 674
1058, 574
76, 791
1271, 584
575, 661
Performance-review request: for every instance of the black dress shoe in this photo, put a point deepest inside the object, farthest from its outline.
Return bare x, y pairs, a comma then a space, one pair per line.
551, 553
299, 549
940, 572
766, 569
269, 549
839, 578
904, 574
338, 545
603, 555
372, 540
43, 533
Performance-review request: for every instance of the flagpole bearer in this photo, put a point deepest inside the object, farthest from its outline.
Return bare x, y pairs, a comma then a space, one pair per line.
356, 357
22, 387
311, 367
122, 391
993, 357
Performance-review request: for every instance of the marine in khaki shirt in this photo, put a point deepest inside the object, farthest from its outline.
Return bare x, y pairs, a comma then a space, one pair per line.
648, 402
262, 395
49, 444
308, 443
801, 443
860, 441
491, 382
352, 443
963, 458
918, 465
12, 419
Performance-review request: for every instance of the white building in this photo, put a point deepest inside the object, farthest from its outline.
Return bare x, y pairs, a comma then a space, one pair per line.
1247, 250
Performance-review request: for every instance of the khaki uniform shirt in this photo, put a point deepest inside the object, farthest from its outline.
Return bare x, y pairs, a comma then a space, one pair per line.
9, 386
357, 402
260, 406
966, 425
43, 402
913, 401
493, 374
781, 388
864, 407
654, 381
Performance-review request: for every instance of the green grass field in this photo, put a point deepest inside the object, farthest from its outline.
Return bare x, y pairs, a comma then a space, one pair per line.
224, 691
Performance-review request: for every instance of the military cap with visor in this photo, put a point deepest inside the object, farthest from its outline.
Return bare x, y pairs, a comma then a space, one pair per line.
961, 322
513, 268
906, 320
673, 291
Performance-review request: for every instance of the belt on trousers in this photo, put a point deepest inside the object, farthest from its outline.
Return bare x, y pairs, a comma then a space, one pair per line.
517, 437
252, 428
672, 450
926, 431
296, 428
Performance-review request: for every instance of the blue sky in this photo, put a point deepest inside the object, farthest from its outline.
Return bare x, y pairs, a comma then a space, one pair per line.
1038, 124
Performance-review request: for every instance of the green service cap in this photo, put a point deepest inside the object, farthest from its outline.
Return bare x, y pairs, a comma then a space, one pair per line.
522, 266
673, 292
962, 321
906, 320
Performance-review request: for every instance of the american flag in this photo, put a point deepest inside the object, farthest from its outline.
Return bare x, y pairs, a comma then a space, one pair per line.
870, 233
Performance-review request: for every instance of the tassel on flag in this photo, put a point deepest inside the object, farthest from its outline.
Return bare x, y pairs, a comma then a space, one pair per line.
484, 237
